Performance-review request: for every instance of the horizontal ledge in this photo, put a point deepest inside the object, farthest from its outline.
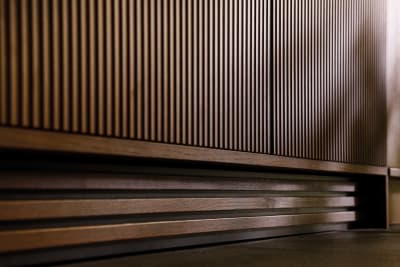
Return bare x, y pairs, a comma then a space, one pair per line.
51, 209
15, 138
394, 172
36, 180
11, 241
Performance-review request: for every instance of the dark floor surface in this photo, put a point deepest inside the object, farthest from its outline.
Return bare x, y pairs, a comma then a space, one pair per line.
333, 249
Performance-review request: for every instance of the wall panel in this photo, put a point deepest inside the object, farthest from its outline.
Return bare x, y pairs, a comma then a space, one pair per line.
333, 78
289, 78
168, 71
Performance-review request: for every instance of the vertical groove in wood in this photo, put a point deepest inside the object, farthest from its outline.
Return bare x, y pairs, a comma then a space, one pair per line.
14, 46
171, 38
216, 74
139, 69
75, 68
246, 74
184, 71
240, 72
268, 87
221, 74
256, 76
56, 66
206, 76
166, 85
3, 64
99, 68
211, 73
116, 65
25, 73
132, 68
65, 59
36, 65
178, 72
195, 72
159, 62
124, 69
147, 90
152, 70
236, 74
108, 68
252, 24
230, 71
84, 111
93, 63
201, 71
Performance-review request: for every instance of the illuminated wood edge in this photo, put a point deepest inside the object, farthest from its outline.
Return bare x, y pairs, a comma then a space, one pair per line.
57, 237
35, 180
47, 209
15, 138
394, 172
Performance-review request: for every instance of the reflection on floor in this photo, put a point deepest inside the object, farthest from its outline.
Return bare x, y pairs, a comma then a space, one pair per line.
333, 249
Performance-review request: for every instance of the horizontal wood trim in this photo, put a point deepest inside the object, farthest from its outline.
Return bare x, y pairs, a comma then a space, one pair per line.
56, 237
14, 138
394, 173
45, 209
34, 180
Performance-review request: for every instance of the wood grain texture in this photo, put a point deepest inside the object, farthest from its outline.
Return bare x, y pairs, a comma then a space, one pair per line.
50, 141
50, 209
11, 241
3, 65
339, 109
394, 173
50, 180
267, 77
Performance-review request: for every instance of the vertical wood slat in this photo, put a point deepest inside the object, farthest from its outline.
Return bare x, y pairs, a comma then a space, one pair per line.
172, 70
159, 70
56, 66
178, 72
93, 63
101, 85
65, 59
152, 69
190, 74
84, 85
184, 67
139, 69
45, 25
75, 68
198, 73
206, 73
124, 72
3, 64
14, 45
221, 75
25, 104
132, 68
146, 69
211, 73
116, 72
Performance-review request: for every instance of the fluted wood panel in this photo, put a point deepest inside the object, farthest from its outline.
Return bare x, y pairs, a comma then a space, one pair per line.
292, 78
329, 81
186, 72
